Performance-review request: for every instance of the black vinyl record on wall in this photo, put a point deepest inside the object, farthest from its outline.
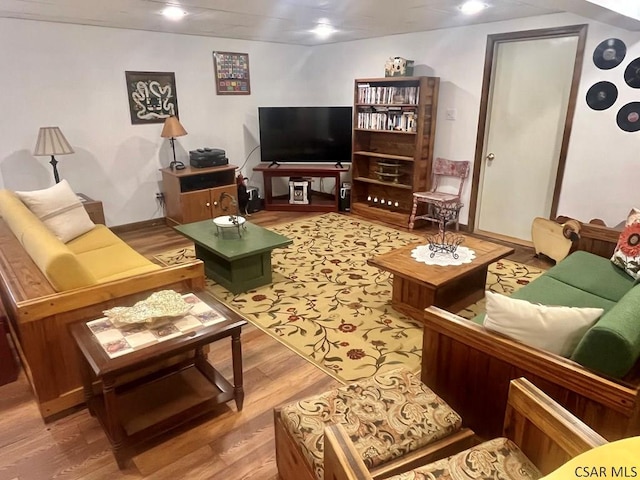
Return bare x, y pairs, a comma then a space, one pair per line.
632, 74
609, 53
629, 117
602, 95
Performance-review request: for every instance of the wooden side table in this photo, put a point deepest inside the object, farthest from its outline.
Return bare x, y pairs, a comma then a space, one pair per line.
164, 397
93, 208
318, 203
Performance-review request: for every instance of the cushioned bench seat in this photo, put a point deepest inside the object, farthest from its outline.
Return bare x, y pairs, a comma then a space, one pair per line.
386, 416
497, 459
592, 274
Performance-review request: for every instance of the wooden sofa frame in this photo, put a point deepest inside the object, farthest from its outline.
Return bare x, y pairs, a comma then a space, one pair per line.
470, 368
545, 432
39, 317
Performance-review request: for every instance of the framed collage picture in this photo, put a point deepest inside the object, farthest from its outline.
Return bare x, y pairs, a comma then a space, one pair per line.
152, 96
232, 73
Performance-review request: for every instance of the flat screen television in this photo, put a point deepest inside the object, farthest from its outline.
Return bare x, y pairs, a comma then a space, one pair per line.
305, 134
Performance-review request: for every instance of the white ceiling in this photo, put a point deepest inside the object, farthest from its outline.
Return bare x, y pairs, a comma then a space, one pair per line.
290, 21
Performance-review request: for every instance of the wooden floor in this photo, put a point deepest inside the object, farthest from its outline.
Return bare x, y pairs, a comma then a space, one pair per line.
227, 446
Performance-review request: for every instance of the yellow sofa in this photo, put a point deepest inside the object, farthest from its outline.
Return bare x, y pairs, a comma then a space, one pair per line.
46, 284
85, 260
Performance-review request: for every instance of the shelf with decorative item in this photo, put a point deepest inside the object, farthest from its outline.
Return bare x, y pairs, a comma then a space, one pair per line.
388, 156
380, 182
392, 214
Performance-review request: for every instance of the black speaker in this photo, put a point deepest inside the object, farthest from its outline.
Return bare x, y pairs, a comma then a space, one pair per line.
255, 203
345, 198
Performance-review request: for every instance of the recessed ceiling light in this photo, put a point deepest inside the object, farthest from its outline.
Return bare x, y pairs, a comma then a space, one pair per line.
323, 29
174, 13
471, 7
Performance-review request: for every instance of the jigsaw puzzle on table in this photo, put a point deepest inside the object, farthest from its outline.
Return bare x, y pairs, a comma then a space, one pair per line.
120, 341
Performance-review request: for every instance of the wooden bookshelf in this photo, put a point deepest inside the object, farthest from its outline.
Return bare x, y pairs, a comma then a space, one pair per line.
393, 135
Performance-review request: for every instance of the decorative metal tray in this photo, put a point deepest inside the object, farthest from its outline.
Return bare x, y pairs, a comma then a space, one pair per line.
159, 307
226, 221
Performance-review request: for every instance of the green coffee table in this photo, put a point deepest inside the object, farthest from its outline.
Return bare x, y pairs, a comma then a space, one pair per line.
237, 262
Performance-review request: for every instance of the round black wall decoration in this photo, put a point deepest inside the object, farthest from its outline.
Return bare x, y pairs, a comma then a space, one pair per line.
602, 95
629, 117
609, 53
632, 73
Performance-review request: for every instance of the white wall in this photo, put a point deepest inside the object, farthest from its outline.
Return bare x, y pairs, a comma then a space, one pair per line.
73, 76
602, 171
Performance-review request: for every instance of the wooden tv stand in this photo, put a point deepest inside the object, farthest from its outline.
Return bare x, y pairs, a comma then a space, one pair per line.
319, 202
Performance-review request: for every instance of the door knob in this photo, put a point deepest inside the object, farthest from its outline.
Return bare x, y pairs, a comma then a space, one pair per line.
491, 156
208, 204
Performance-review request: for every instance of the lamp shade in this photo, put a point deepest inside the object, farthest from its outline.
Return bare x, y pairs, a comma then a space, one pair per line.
172, 128
51, 141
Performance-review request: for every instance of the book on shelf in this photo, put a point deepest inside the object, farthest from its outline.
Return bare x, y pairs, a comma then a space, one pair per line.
388, 95
387, 118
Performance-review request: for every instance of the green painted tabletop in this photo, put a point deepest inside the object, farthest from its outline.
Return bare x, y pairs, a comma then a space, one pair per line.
226, 242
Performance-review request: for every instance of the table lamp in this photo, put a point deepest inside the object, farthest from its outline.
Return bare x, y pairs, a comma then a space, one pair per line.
51, 141
172, 128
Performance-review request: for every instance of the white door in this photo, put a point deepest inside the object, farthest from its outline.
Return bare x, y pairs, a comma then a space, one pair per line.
529, 95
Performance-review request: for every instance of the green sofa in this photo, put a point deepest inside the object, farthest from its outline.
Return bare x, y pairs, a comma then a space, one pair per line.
612, 345
471, 366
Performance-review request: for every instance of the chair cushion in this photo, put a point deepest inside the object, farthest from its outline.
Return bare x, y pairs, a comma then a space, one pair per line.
497, 459
593, 274
436, 196
386, 416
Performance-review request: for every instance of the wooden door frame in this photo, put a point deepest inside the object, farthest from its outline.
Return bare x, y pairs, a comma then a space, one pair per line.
578, 30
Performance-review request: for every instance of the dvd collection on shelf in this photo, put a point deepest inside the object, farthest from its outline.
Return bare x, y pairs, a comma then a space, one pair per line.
387, 118
387, 95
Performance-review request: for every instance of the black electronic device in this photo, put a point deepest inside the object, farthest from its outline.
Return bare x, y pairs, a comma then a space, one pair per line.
255, 203
208, 157
305, 134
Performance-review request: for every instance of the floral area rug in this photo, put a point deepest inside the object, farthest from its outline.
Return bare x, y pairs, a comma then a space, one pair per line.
504, 276
332, 308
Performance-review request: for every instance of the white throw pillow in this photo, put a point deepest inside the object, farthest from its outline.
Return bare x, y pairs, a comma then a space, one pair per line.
554, 329
60, 209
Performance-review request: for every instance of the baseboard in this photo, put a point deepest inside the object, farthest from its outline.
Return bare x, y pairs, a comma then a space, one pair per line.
129, 227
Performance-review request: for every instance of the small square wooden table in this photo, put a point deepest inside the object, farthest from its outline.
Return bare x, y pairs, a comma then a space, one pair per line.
417, 286
143, 395
239, 261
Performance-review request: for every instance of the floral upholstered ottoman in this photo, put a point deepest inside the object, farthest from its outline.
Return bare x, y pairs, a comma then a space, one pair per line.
389, 417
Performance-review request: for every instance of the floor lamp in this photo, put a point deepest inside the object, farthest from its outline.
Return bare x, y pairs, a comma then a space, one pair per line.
172, 129
51, 141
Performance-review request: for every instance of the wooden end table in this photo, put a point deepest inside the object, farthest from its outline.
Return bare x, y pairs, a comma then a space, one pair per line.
417, 286
237, 261
93, 208
163, 397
